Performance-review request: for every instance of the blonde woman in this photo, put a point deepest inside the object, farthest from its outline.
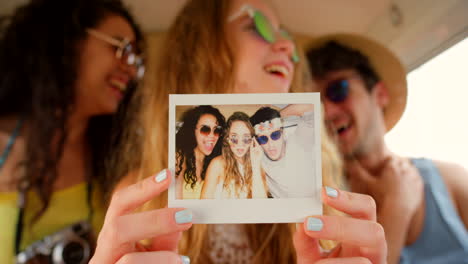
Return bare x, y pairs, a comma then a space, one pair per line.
237, 172
214, 47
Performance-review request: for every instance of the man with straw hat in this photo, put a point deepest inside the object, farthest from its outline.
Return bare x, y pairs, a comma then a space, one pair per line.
421, 203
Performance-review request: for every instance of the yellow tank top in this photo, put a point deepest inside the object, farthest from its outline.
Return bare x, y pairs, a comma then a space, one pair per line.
189, 193
66, 207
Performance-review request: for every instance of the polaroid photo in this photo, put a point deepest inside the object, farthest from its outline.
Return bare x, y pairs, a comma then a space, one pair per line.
246, 158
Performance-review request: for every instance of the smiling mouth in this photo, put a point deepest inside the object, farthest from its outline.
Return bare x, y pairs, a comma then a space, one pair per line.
342, 129
240, 151
277, 70
122, 86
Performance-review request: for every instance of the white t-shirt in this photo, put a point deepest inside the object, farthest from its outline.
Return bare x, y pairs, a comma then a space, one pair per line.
292, 176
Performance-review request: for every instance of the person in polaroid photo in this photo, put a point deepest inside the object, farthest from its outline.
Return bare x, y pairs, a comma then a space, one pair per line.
229, 46
288, 163
237, 173
197, 143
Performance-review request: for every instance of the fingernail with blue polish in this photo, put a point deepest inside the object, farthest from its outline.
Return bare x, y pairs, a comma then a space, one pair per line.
331, 192
314, 224
183, 217
185, 259
161, 176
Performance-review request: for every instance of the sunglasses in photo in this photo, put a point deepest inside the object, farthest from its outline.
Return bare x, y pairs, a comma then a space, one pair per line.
126, 52
206, 130
264, 27
234, 140
262, 140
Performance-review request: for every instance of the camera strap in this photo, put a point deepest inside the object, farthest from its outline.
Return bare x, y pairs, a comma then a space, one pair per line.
11, 142
22, 206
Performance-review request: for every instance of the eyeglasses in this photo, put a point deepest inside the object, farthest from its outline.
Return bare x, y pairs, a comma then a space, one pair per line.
206, 130
262, 140
126, 51
264, 27
234, 140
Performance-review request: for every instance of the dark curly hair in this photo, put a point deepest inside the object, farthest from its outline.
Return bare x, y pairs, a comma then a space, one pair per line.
333, 56
186, 142
39, 53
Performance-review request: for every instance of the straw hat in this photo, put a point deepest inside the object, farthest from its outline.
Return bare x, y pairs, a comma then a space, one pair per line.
384, 62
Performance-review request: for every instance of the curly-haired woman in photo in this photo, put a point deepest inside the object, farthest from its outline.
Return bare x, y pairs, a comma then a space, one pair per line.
237, 172
197, 143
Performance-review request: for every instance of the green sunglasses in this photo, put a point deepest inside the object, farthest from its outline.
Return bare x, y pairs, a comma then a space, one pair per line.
264, 27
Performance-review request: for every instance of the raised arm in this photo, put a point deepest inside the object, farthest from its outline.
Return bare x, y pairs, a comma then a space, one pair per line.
258, 183
296, 110
398, 190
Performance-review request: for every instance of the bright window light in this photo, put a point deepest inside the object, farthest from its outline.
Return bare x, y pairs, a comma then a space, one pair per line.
435, 122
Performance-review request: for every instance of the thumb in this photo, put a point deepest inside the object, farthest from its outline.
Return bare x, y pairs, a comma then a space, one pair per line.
307, 248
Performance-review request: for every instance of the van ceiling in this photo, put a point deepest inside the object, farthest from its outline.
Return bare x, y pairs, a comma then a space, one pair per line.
415, 30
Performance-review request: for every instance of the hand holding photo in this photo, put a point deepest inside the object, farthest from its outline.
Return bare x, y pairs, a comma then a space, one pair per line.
246, 158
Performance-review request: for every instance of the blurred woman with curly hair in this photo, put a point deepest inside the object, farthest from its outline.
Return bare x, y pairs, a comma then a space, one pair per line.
65, 78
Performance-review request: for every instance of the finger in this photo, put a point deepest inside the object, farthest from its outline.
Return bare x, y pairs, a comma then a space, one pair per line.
354, 260
347, 230
406, 165
153, 257
128, 199
391, 163
168, 242
359, 206
307, 248
139, 226
256, 142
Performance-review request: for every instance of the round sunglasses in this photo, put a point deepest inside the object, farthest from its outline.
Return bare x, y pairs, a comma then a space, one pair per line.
206, 130
264, 28
234, 140
262, 140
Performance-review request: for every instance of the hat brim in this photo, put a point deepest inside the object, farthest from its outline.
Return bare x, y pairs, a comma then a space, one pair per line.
384, 62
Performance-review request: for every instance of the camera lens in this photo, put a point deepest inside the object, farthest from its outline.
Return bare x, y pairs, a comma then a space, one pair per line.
73, 253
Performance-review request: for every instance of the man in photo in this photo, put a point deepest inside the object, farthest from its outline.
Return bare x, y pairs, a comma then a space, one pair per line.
289, 163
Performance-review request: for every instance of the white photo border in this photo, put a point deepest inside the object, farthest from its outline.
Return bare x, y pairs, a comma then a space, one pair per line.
271, 210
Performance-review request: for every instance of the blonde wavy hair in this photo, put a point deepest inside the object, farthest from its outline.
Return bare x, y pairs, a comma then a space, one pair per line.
196, 58
242, 181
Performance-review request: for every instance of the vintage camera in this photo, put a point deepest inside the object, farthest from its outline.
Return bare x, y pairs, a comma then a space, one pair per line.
67, 246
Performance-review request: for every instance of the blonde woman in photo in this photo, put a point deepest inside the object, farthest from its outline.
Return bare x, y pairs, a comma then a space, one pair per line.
236, 46
237, 172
